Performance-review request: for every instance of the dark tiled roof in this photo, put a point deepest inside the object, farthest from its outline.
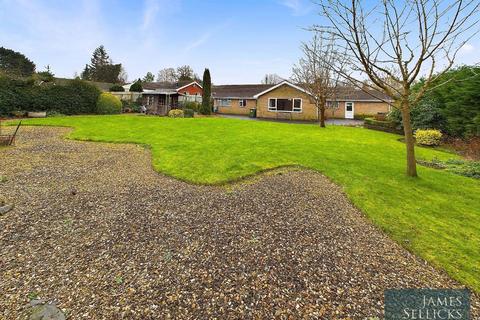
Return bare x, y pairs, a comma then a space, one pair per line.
239, 90
355, 94
250, 90
165, 85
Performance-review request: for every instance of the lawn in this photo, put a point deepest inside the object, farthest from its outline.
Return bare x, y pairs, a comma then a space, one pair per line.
437, 215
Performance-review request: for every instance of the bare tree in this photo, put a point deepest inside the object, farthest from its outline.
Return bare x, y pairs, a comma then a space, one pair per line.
186, 73
394, 43
315, 74
167, 75
272, 78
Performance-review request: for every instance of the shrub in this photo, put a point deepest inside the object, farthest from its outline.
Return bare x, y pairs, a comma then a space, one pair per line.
130, 106
425, 115
195, 106
381, 116
385, 124
458, 166
188, 113
116, 88
429, 137
176, 113
108, 104
361, 116
136, 86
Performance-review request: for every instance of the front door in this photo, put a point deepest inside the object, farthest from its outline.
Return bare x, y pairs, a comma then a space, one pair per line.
349, 110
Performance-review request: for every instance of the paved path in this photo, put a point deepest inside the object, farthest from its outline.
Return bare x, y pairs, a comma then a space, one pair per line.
97, 231
336, 122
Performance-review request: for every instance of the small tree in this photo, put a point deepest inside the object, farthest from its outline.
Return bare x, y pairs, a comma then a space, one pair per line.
136, 86
47, 75
315, 74
395, 42
149, 77
206, 107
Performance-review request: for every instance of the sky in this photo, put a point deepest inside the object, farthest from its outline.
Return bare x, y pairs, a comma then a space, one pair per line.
239, 41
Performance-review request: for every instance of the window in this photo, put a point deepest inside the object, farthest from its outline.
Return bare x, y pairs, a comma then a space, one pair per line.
272, 104
242, 103
224, 102
150, 100
332, 104
349, 106
285, 105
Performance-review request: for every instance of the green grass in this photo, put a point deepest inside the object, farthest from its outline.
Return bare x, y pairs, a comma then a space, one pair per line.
437, 215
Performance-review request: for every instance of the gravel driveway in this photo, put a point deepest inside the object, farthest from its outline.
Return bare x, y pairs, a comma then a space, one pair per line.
98, 231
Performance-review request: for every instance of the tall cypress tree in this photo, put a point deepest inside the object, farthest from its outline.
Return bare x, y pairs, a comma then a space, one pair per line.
207, 93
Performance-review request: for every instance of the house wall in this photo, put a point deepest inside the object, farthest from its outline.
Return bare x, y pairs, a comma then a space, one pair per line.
309, 111
235, 108
127, 96
192, 90
359, 108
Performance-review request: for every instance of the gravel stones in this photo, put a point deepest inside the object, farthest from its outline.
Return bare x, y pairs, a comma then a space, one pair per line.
124, 242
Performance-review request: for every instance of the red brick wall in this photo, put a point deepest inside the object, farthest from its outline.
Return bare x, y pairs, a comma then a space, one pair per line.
192, 89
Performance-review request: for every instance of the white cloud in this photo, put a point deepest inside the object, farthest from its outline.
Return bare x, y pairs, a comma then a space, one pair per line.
467, 48
200, 41
298, 7
149, 13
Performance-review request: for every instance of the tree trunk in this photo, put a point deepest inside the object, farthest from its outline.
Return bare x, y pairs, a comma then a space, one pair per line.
322, 117
409, 141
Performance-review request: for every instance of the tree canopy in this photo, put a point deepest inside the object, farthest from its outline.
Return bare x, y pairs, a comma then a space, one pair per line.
101, 68
149, 77
15, 63
457, 94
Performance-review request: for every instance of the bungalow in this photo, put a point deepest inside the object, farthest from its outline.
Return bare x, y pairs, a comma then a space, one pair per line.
289, 101
160, 97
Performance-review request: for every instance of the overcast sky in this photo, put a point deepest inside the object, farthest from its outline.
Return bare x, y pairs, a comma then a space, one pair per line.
239, 41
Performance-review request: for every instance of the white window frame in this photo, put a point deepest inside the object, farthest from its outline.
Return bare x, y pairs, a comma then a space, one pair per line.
224, 102
296, 110
242, 103
150, 100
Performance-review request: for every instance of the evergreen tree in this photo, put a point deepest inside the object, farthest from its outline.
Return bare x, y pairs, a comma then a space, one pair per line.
86, 73
149, 77
101, 68
136, 86
15, 63
206, 107
100, 58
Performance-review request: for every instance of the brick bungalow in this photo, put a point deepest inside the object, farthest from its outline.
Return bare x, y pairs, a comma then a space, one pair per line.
161, 97
288, 101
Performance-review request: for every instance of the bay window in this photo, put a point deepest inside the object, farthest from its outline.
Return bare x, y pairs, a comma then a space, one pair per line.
285, 105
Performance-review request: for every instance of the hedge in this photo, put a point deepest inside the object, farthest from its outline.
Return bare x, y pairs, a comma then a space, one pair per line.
386, 126
76, 97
